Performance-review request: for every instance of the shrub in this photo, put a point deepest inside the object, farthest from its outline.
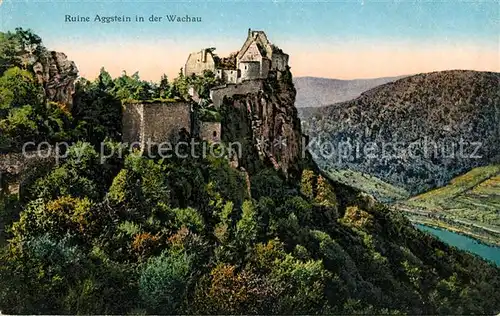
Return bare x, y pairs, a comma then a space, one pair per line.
163, 282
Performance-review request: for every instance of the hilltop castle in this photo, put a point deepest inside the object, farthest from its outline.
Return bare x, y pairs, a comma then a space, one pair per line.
240, 74
256, 58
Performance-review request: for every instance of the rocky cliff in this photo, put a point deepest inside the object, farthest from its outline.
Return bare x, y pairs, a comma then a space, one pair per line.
417, 133
266, 123
57, 75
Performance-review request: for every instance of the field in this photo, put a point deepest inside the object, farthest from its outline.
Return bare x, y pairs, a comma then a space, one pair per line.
470, 203
382, 191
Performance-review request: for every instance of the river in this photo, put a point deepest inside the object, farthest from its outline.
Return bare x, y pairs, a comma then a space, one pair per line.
491, 253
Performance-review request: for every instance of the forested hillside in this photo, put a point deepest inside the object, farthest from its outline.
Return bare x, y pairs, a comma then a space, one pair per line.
416, 133
104, 233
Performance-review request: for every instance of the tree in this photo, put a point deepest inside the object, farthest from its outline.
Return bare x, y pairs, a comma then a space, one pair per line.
325, 194
105, 81
140, 187
246, 228
96, 111
9, 56
20, 125
164, 88
163, 283
29, 42
307, 184
18, 88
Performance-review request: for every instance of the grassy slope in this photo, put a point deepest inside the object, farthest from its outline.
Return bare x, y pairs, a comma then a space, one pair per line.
381, 190
470, 202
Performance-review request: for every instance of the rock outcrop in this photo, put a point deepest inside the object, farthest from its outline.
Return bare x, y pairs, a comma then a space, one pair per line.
267, 125
16, 167
57, 75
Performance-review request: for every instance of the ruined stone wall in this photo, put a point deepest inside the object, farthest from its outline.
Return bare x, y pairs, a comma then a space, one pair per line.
15, 163
132, 119
250, 70
217, 94
227, 75
231, 76
279, 61
198, 62
155, 122
265, 67
15, 167
210, 131
163, 121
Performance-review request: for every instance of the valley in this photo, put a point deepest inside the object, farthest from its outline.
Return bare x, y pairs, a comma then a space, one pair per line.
458, 193
469, 204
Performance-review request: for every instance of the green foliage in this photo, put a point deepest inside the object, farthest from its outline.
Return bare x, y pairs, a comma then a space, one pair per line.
141, 185
304, 284
96, 110
8, 51
80, 175
20, 121
132, 87
57, 218
9, 213
246, 228
228, 181
267, 183
358, 218
163, 283
24, 116
64, 181
201, 84
189, 218
325, 194
29, 42
133, 235
222, 253
229, 290
209, 115
307, 184
18, 88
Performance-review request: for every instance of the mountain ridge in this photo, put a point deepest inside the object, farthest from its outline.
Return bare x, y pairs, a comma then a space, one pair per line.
429, 115
320, 91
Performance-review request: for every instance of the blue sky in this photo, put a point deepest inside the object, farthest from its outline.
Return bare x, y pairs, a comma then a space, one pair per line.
299, 26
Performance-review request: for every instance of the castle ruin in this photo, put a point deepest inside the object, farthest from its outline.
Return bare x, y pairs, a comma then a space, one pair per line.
245, 73
256, 58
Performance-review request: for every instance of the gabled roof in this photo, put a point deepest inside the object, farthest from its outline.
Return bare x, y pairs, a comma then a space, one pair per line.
262, 43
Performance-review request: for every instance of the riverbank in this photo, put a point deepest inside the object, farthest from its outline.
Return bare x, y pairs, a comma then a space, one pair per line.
460, 241
483, 234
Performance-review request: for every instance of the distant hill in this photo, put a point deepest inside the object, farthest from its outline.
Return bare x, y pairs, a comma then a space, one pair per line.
426, 129
316, 92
